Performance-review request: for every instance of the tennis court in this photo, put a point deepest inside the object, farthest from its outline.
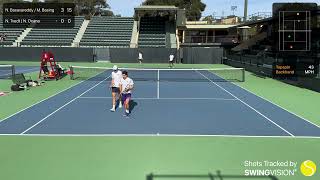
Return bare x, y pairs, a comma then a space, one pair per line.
173, 102
6, 71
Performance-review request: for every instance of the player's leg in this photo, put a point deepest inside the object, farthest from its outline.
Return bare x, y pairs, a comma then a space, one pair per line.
114, 95
120, 99
126, 99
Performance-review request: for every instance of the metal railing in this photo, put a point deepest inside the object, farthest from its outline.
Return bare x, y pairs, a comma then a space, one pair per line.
211, 39
231, 19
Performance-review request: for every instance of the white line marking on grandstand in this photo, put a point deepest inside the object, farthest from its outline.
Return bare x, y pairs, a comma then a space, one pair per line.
159, 135
248, 106
158, 85
64, 106
220, 99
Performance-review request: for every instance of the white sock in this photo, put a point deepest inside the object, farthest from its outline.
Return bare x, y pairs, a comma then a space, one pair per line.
113, 106
127, 111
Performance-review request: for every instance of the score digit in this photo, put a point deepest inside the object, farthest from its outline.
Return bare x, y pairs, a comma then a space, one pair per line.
311, 67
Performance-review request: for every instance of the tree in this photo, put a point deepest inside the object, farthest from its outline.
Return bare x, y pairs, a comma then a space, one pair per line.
210, 19
83, 7
93, 7
194, 8
88, 7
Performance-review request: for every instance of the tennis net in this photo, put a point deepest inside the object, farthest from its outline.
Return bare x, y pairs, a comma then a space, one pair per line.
140, 74
7, 71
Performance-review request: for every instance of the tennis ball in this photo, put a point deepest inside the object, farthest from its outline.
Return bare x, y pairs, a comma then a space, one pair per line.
308, 168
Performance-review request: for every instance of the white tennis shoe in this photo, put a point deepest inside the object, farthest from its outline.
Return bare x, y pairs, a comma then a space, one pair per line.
120, 105
112, 109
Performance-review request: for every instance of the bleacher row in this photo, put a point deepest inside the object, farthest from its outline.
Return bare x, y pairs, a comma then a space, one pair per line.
108, 32
100, 32
53, 37
152, 32
11, 34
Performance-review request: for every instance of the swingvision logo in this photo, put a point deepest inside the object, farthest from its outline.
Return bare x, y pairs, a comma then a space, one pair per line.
308, 168
270, 168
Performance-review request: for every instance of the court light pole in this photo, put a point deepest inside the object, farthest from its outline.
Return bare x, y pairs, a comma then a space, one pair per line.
245, 15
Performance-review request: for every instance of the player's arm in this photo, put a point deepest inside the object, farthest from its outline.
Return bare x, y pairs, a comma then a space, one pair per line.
112, 81
120, 87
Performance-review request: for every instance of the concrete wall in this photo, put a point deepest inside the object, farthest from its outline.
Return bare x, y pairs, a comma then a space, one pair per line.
150, 55
62, 54
116, 55
201, 55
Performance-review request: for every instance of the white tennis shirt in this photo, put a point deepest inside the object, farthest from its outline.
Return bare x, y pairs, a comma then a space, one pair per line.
171, 57
140, 56
126, 83
116, 76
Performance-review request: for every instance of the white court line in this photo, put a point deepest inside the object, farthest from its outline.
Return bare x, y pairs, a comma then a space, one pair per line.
41, 101
318, 126
248, 105
220, 99
159, 135
64, 106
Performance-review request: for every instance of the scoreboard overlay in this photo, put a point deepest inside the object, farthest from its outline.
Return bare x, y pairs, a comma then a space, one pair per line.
294, 30
38, 15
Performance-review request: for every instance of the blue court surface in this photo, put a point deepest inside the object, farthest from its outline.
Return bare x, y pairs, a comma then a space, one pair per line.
18, 69
175, 108
26, 69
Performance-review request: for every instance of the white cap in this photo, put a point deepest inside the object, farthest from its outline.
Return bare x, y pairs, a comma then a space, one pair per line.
115, 67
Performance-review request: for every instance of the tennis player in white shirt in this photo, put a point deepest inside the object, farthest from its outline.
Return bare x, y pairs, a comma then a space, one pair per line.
126, 86
140, 57
115, 87
171, 60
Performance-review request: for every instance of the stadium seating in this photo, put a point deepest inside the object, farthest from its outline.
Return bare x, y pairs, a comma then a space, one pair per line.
53, 37
108, 32
152, 32
11, 34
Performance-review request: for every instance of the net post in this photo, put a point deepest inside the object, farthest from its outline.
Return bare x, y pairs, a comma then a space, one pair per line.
243, 75
13, 71
71, 73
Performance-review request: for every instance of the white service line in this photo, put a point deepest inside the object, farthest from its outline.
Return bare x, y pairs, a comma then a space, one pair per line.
248, 105
308, 121
160, 135
41, 101
219, 99
318, 126
64, 106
